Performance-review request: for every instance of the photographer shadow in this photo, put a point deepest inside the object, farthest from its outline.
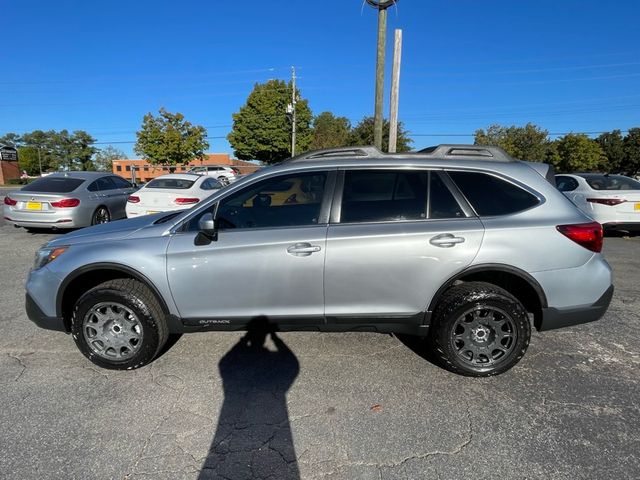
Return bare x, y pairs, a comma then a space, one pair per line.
253, 437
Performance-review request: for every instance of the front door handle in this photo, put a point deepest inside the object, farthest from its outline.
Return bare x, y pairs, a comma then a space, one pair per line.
446, 240
302, 249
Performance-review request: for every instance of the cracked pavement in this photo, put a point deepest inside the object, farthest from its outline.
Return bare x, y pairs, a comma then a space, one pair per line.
319, 406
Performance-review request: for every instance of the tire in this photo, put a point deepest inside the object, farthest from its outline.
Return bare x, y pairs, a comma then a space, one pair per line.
101, 215
224, 181
119, 325
479, 330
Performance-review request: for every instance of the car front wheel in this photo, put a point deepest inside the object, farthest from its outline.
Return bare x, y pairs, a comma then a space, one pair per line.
479, 330
119, 325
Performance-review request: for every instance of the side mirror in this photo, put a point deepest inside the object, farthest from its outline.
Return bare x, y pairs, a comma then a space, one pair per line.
208, 232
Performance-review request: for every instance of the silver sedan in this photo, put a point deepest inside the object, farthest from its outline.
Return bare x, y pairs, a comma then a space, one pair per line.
68, 200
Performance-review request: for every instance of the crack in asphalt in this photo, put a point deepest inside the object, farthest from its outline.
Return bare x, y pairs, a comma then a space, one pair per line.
22, 364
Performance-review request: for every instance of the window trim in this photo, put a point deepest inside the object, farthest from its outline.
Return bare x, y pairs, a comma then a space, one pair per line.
336, 209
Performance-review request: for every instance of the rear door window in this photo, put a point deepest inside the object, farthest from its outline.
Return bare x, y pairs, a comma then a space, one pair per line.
396, 195
54, 185
492, 196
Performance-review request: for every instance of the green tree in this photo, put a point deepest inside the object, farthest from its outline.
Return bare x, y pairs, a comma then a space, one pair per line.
631, 164
11, 139
28, 160
103, 158
62, 149
362, 134
169, 139
262, 129
527, 143
330, 131
578, 153
612, 144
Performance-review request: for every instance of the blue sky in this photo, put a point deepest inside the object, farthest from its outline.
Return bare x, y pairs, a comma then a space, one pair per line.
570, 65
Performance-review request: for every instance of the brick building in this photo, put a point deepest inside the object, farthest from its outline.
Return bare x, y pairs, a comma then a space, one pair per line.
145, 172
9, 169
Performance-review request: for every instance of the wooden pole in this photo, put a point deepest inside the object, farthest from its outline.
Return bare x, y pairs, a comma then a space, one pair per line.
382, 40
395, 91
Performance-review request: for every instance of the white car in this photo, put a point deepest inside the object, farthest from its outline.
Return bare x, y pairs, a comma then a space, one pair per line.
223, 173
175, 191
612, 200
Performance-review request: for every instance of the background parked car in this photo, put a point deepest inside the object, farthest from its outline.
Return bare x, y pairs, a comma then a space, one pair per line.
175, 191
612, 200
223, 173
68, 200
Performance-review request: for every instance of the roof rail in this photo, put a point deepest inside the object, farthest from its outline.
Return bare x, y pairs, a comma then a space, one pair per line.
341, 152
481, 152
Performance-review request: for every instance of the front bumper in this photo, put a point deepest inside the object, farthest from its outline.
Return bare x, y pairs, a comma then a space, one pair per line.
37, 316
553, 318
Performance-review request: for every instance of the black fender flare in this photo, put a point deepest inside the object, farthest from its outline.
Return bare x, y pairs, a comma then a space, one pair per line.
131, 272
493, 267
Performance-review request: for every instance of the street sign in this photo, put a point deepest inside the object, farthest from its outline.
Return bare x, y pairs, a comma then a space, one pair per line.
8, 153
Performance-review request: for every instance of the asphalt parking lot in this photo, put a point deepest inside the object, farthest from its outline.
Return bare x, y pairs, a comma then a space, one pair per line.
319, 406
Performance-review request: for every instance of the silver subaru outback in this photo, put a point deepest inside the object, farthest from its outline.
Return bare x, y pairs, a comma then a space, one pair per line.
460, 245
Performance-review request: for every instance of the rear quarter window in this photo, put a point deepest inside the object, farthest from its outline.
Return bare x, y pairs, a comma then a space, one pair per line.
54, 185
492, 196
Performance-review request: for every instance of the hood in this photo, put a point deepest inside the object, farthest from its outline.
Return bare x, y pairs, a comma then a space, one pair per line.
115, 230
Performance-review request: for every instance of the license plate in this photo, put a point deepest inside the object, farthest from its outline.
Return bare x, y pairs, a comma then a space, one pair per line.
34, 206
151, 212
636, 206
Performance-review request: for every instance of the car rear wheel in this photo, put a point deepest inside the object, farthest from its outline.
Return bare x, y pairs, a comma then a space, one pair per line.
101, 215
479, 330
119, 325
223, 180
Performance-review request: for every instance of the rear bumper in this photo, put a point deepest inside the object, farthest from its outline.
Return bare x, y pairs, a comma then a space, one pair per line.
553, 318
37, 316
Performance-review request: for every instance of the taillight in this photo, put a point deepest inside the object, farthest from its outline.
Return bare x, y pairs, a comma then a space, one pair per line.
9, 201
66, 203
186, 201
589, 235
133, 199
607, 201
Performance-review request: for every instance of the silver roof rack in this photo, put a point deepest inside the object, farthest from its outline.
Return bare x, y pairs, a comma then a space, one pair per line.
481, 152
341, 152
468, 152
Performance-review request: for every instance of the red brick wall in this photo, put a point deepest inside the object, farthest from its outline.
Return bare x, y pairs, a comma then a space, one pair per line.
8, 171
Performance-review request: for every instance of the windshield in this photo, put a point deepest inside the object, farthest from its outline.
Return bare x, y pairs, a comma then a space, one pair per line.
170, 183
54, 185
611, 182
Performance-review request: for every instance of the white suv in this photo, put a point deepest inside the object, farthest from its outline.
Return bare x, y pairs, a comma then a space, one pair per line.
223, 173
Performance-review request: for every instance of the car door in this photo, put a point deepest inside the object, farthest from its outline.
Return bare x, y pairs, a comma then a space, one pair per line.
395, 237
267, 260
119, 195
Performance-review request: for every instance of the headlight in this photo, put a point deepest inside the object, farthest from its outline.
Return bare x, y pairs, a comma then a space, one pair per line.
46, 255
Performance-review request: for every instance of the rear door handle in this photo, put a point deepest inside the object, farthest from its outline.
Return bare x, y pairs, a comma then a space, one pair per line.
302, 249
446, 240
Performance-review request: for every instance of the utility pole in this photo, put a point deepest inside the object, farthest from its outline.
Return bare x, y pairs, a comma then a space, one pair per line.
395, 91
382, 6
39, 161
293, 111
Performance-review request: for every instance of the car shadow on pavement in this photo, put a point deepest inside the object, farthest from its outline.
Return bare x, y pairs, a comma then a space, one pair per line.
253, 437
421, 347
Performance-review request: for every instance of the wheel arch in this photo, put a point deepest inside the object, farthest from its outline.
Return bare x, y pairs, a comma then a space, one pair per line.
89, 276
514, 280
